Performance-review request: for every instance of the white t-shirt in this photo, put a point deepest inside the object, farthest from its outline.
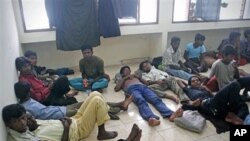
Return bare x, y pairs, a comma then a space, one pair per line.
224, 73
154, 75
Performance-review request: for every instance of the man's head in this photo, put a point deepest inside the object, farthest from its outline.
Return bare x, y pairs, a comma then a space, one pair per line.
234, 38
22, 90
32, 57
194, 81
175, 42
228, 53
87, 51
14, 117
125, 71
145, 66
247, 34
23, 65
199, 39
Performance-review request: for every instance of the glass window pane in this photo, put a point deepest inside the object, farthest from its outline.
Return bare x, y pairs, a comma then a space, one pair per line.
181, 10
148, 11
35, 15
247, 10
232, 10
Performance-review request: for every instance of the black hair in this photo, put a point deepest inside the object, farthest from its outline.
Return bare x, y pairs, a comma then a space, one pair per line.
85, 47
22, 89
12, 111
247, 33
190, 79
199, 36
123, 68
228, 50
175, 39
20, 62
29, 53
233, 35
142, 63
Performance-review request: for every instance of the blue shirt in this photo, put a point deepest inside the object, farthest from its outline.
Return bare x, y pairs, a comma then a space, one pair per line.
195, 52
40, 111
247, 120
197, 93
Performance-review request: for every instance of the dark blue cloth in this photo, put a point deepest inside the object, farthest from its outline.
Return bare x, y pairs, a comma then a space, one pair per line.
195, 93
108, 22
125, 8
64, 71
76, 23
228, 100
141, 95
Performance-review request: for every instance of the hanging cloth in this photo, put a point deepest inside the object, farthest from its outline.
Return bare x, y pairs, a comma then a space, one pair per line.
109, 25
76, 23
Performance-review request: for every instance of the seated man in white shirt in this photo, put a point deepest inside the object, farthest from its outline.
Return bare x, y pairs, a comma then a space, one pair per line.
160, 81
172, 60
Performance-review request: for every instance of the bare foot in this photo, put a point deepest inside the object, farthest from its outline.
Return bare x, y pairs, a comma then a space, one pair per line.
72, 93
133, 133
138, 136
177, 113
234, 119
195, 103
126, 102
153, 122
107, 135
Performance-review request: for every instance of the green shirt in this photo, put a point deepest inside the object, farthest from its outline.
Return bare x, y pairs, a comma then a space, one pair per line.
92, 67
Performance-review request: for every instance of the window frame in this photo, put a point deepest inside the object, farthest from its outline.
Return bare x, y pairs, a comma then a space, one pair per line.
121, 24
241, 16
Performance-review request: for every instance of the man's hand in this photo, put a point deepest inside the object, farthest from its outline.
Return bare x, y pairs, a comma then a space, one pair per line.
159, 82
129, 77
50, 85
107, 76
66, 122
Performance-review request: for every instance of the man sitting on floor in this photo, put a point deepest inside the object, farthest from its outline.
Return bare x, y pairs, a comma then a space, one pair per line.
93, 111
18, 122
57, 92
40, 111
92, 69
172, 60
193, 54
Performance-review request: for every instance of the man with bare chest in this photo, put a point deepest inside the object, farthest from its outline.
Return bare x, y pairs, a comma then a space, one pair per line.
141, 94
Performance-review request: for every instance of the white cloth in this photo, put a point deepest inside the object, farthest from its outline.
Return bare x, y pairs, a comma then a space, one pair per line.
170, 57
224, 73
16, 136
52, 130
154, 74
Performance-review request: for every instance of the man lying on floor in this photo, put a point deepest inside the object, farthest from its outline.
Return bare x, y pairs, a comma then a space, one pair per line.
40, 111
142, 94
226, 104
23, 127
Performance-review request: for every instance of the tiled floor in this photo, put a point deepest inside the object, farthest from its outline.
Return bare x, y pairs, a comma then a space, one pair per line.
166, 131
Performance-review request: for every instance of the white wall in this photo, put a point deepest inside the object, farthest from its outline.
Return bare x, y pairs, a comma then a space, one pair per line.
135, 42
112, 50
9, 50
165, 25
